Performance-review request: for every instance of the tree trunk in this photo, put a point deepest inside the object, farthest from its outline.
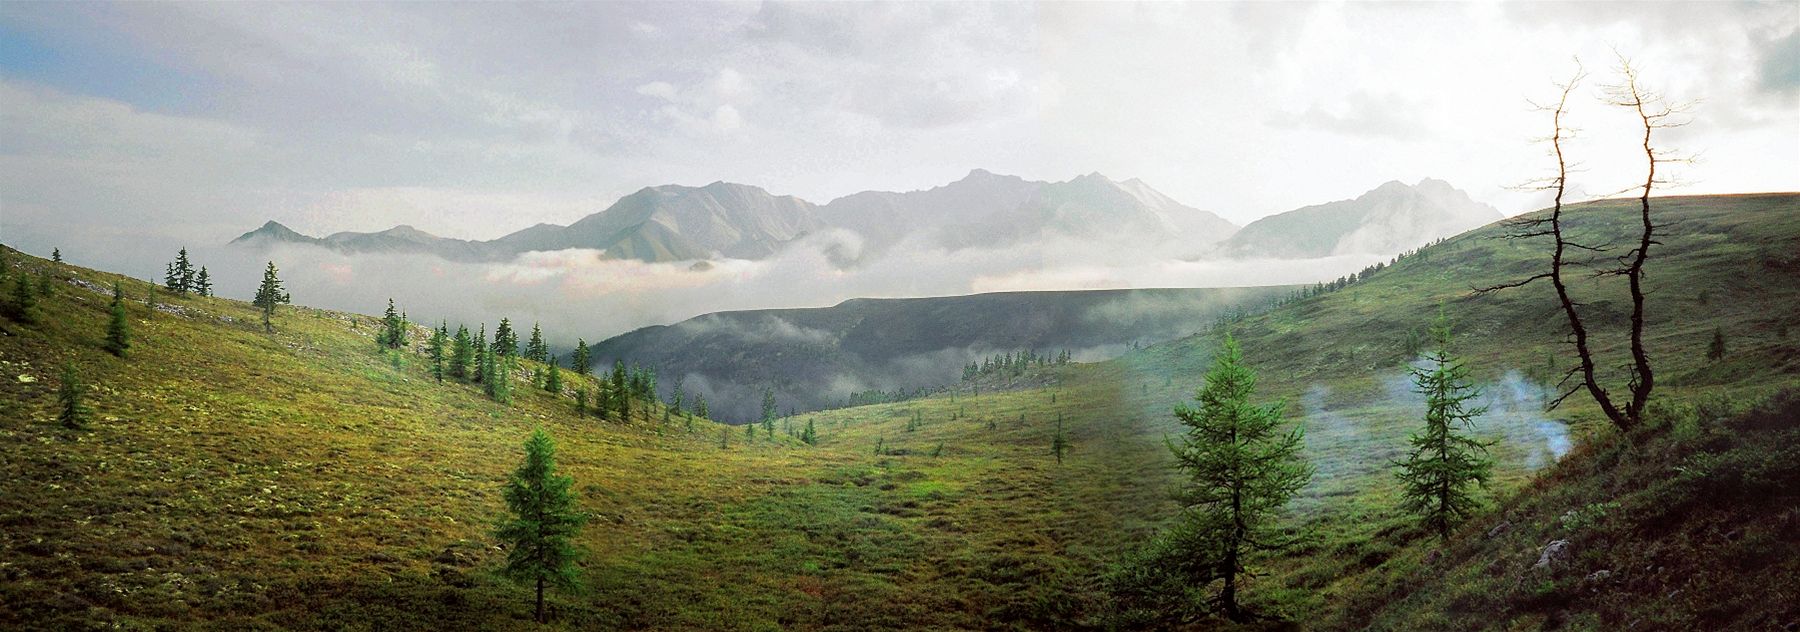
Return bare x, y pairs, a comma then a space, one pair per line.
540, 600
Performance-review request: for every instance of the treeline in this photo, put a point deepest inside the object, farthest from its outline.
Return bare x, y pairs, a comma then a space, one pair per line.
1237, 314
1012, 364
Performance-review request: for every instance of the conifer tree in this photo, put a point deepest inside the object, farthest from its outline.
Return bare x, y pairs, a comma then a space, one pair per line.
621, 397
499, 377
184, 274
810, 436
535, 349
1437, 477
461, 353
724, 438
1059, 443
540, 531
581, 405
700, 406
56, 255
1241, 470
481, 355
768, 411
749, 433
1715, 351
172, 279
45, 288
73, 414
553, 383
23, 307
675, 399
203, 283
506, 343
434, 348
582, 359
270, 294
393, 329
118, 334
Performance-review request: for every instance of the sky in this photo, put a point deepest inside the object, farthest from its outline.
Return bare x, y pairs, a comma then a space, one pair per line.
129, 129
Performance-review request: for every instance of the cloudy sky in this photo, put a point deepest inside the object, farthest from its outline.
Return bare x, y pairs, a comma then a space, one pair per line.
127, 127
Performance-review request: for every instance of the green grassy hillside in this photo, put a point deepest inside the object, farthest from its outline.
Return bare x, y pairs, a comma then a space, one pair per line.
236, 479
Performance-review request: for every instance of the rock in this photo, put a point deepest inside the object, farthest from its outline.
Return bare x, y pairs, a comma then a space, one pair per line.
1599, 576
1554, 555
453, 557
1499, 529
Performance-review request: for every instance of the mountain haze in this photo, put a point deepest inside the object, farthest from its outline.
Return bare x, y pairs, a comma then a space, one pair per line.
1392, 218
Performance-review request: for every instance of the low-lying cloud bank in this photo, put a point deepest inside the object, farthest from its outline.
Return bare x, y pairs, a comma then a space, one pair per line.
581, 293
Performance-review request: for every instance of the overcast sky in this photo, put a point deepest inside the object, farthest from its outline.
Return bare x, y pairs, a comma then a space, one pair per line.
197, 122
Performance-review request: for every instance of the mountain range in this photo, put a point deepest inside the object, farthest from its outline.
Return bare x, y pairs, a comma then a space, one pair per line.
983, 209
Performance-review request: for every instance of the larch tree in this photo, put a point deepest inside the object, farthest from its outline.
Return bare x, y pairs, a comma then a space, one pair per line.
1439, 476
553, 383
270, 294
72, 413
1241, 468
203, 283
461, 353
768, 411
582, 359
23, 307
535, 349
118, 330
543, 520
1059, 443
435, 348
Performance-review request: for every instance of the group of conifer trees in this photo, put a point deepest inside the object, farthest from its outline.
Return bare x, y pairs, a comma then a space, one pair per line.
1013, 364
1241, 467
181, 278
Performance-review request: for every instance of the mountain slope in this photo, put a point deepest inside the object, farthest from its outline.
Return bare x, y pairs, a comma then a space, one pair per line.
1391, 218
818, 357
678, 223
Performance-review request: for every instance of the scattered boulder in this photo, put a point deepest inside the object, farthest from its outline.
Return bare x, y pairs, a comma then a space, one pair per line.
1499, 529
1554, 555
1599, 576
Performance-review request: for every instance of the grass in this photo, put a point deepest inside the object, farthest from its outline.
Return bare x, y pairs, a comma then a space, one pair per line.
236, 479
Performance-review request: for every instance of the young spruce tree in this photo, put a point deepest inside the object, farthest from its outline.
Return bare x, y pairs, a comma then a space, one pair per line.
1439, 475
539, 534
582, 359
553, 383
1241, 468
435, 348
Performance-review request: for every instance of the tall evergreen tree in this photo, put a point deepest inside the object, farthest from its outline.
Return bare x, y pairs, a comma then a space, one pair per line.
482, 352
461, 353
535, 349
203, 282
1059, 443
620, 395
700, 406
56, 255
269, 295
506, 343
1438, 476
393, 329
172, 279
1715, 351
581, 401
435, 347
582, 360
72, 414
810, 435
184, 272
1240, 468
540, 530
554, 382
768, 411
499, 373
118, 333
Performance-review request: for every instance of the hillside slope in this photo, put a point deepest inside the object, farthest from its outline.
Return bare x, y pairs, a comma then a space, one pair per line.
817, 357
235, 479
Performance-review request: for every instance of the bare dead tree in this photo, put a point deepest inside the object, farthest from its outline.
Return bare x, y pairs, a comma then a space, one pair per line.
1568, 253
1653, 113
